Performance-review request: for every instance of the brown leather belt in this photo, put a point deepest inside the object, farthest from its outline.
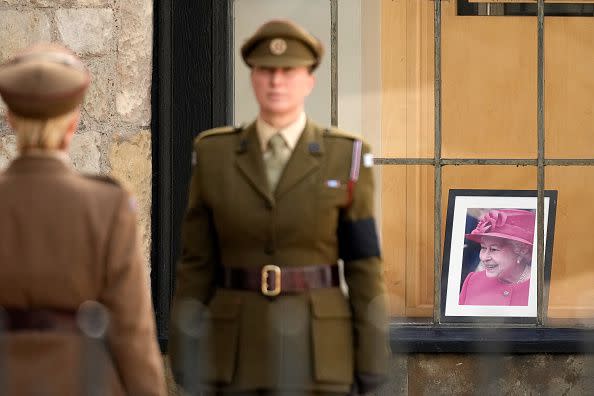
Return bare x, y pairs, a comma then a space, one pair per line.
39, 319
272, 280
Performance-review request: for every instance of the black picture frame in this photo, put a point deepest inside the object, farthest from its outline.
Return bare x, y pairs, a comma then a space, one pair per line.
459, 252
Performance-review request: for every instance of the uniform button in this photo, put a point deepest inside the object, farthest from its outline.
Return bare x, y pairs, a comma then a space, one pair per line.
506, 293
268, 205
269, 249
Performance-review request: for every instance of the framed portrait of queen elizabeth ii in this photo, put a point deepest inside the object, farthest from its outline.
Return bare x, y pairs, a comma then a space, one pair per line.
489, 271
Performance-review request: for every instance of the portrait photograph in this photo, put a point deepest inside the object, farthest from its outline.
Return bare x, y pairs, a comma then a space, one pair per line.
490, 255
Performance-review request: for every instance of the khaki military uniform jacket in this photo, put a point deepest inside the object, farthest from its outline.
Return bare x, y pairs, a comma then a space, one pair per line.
239, 339
66, 239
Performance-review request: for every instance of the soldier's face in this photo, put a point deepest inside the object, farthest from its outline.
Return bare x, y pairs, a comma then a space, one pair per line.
281, 91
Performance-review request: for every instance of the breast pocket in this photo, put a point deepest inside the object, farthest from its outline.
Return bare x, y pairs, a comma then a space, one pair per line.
332, 336
330, 200
219, 344
333, 192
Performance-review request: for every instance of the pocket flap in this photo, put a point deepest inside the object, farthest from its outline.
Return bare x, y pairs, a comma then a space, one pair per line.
225, 305
330, 303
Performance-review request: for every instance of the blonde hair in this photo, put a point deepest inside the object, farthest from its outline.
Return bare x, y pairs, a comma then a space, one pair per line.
45, 134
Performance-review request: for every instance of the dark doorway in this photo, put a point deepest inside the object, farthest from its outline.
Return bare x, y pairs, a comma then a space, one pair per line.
191, 92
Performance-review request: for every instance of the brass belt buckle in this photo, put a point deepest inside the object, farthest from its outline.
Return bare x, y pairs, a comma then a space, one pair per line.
277, 280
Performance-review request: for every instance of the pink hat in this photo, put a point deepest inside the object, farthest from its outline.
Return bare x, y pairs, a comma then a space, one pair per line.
514, 224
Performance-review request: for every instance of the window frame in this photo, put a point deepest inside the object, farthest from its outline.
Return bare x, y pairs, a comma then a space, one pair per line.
193, 91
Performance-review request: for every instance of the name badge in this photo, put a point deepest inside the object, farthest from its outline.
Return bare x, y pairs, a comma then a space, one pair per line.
333, 183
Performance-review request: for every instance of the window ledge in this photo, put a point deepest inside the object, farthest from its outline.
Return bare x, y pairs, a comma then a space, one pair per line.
441, 339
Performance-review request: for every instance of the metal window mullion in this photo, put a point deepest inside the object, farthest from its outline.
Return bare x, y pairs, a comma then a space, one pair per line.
569, 162
334, 62
438, 166
485, 161
458, 161
541, 167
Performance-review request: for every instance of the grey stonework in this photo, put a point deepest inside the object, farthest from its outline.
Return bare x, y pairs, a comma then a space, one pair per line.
21, 29
99, 102
130, 159
134, 64
56, 3
87, 31
473, 374
84, 152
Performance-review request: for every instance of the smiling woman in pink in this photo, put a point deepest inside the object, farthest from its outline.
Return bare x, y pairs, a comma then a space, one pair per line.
506, 237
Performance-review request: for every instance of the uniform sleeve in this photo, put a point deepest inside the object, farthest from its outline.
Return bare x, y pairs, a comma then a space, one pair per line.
195, 278
359, 249
132, 334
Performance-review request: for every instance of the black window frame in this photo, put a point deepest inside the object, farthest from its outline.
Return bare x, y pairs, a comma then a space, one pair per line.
193, 91
466, 8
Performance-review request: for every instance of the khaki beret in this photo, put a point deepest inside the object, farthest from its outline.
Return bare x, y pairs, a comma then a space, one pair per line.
43, 81
282, 43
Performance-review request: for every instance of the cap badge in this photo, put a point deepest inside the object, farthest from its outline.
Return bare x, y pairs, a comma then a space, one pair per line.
278, 46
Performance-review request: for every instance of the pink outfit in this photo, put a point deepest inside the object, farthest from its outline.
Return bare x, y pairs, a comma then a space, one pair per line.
514, 224
478, 289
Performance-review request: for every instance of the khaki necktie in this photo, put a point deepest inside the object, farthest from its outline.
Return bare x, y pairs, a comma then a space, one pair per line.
275, 159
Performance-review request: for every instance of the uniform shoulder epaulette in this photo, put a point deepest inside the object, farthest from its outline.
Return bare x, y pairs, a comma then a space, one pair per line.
217, 132
335, 132
103, 179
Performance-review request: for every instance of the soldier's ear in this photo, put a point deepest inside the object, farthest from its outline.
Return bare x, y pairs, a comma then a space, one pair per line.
73, 124
9, 119
71, 128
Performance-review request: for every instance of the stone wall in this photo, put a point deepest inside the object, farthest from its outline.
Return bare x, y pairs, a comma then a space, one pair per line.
114, 38
497, 374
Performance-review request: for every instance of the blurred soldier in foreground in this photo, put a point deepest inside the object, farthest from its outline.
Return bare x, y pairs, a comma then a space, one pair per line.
67, 240
272, 208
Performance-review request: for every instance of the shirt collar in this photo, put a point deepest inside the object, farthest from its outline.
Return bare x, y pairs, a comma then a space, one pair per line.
291, 133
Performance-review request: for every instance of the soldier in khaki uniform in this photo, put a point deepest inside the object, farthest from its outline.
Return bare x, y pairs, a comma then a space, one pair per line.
272, 208
67, 241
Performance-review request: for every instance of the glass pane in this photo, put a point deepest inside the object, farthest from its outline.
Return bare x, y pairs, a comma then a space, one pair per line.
569, 90
572, 276
502, 275
407, 78
313, 15
492, 177
488, 177
489, 68
407, 194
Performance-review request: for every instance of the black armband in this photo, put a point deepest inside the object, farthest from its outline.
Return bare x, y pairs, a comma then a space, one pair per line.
357, 239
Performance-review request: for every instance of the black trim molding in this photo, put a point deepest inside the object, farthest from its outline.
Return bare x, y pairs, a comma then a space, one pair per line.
434, 339
192, 92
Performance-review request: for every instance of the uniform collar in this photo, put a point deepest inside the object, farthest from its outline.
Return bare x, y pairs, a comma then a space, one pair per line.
55, 154
40, 161
291, 133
